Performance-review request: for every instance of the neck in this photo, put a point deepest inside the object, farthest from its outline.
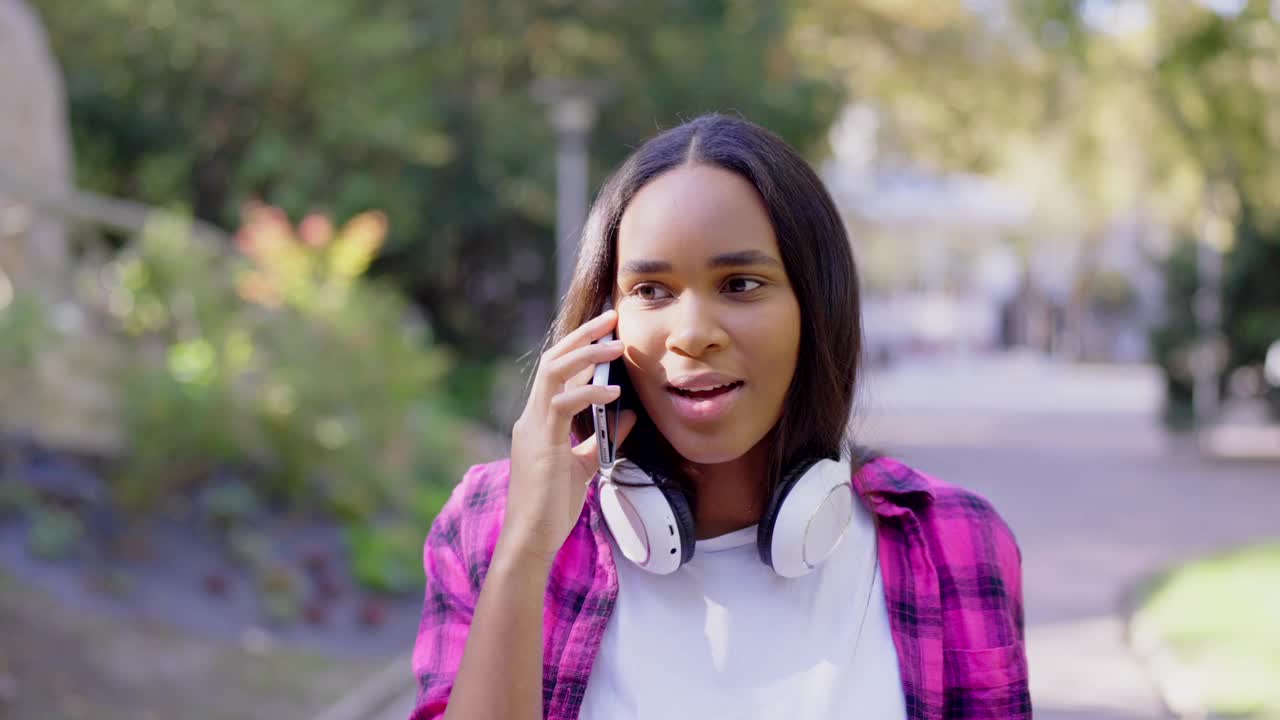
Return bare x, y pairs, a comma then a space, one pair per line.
731, 495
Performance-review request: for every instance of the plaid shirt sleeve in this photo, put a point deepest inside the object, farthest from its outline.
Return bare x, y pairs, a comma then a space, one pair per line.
455, 558
980, 584
953, 584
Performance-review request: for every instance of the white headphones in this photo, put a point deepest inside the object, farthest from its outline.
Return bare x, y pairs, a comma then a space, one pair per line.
807, 517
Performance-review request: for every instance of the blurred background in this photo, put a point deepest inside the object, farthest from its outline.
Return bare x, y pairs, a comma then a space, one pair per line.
274, 273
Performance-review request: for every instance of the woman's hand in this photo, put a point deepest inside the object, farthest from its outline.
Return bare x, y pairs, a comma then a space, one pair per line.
549, 477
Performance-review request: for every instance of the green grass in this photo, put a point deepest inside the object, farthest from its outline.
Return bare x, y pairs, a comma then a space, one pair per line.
1221, 619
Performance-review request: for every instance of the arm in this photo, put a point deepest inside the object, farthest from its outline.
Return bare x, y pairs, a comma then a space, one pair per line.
985, 655
483, 660
501, 671
478, 653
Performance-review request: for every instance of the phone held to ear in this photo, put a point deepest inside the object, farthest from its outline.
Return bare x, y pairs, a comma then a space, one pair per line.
606, 450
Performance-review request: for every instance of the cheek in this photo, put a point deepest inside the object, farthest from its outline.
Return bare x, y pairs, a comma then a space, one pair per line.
639, 333
643, 348
773, 342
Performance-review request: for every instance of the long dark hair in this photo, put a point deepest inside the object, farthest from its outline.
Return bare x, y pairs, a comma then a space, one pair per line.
819, 263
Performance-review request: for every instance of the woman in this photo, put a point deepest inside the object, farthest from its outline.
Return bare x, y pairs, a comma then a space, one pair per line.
737, 351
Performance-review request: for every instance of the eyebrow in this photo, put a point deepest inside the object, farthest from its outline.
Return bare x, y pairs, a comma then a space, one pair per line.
741, 258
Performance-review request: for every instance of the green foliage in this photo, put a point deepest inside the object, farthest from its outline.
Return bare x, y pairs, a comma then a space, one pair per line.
177, 431
23, 331
283, 358
278, 373
54, 533
1252, 295
15, 498
1111, 292
230, 505
1172, 341
428, 502
1174, 120
423, 110
1220, 619
1252, 299
470, 385
22, 328
386, 558
252, 548
281, 590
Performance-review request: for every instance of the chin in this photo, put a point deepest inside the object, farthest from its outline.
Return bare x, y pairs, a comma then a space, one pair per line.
704, 450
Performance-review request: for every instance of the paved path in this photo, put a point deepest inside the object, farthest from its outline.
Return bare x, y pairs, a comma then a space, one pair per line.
1099, 498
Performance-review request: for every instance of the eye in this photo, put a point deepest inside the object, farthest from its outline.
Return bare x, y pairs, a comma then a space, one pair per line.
649, 292
737, 282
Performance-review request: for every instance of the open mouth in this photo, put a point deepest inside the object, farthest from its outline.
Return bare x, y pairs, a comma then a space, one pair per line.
707, 394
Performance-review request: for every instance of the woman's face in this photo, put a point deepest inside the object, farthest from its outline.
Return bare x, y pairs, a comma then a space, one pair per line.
703, 300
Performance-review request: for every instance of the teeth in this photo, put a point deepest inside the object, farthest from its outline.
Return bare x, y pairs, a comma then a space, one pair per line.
707, 389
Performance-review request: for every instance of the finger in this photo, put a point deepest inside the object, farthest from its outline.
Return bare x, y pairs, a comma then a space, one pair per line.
580, 360
582, 377
586, 449
545, 386
585, 333
571, 402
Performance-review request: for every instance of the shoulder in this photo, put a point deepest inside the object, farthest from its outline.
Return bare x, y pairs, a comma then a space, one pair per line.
973, 551
972, 530
481, 491
468, 524
966, 525
958, 512
977, 566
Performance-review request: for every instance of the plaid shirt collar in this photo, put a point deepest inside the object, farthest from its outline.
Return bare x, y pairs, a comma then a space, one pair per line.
892, 489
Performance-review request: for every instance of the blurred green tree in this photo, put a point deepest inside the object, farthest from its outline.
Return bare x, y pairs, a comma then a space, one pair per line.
1167, 110
423, 110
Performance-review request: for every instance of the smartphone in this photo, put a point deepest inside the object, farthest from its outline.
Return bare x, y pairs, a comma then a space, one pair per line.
606, 451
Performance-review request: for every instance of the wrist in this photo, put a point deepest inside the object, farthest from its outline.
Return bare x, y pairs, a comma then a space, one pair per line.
516, 554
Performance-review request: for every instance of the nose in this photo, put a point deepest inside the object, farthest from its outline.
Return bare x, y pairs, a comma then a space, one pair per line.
696, 328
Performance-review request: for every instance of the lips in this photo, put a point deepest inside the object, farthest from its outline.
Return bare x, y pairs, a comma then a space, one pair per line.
702, 381
708, 393
701, 406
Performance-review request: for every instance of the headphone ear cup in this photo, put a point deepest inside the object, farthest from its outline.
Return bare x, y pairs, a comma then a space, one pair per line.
807, 517
651, 523
769, 520
684, 527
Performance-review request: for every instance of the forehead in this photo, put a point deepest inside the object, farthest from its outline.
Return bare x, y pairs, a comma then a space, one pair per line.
693, 212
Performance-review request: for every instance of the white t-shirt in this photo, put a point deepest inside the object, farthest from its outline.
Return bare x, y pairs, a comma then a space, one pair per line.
725, 637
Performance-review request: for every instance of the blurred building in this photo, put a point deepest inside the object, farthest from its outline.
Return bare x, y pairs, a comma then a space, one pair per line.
957, 263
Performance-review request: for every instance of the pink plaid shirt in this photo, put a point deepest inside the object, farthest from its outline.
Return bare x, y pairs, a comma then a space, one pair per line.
951, 571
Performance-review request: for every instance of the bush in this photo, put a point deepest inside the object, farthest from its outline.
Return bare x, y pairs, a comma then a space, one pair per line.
1172, 341
386, 558
1251, 313
54, 533
281, 357
23, 330
1252, 281
22, 327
